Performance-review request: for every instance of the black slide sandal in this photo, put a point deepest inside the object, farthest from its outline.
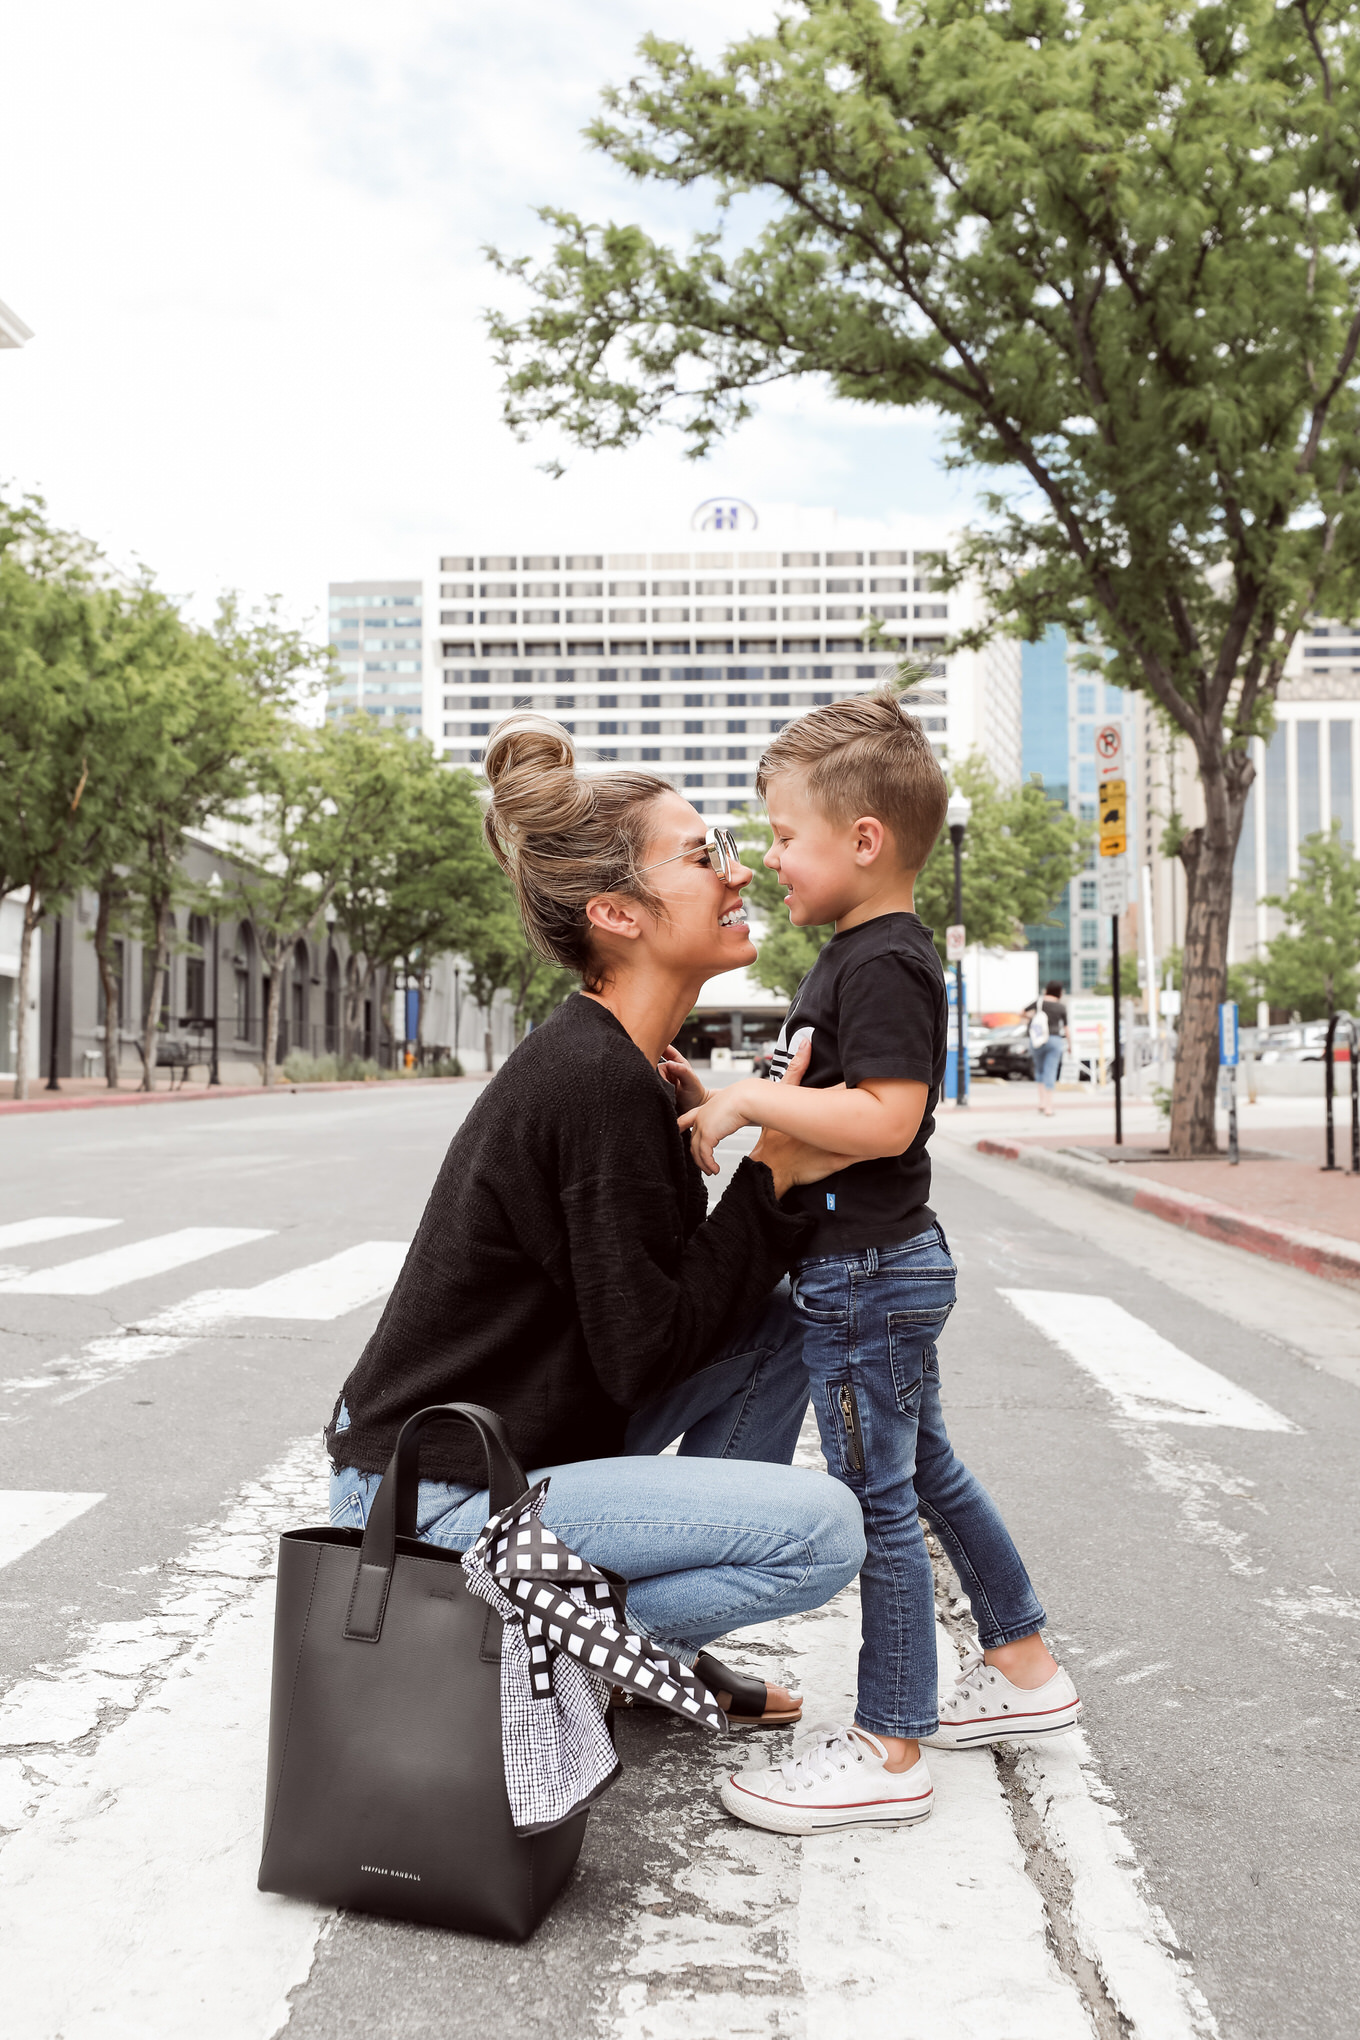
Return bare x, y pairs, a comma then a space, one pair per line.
747, 1704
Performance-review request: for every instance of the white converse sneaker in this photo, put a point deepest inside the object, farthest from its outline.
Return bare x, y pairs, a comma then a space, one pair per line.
985, 1707
839, 1780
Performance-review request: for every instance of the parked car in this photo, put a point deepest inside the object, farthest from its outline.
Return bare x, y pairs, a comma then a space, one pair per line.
1005, 1052
1304, 1042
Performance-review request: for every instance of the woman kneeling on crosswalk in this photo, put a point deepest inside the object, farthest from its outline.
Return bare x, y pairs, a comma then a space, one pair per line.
567, 1273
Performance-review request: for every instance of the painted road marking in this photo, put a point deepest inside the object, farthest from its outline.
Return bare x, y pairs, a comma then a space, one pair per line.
322, 1291
97, 1273
26, 1518
31, 1232
1148, 1378
317, 1293
148, 1833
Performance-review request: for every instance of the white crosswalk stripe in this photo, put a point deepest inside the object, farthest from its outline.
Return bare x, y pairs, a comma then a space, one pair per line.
1148, 1378
324, 1290
135, 1262
317, 1293
32, 1232
28, 1517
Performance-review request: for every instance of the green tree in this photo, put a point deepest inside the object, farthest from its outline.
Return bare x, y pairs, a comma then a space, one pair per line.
48, 631
420, 877
1020, 852
1114, 248
315, 793
1312, 967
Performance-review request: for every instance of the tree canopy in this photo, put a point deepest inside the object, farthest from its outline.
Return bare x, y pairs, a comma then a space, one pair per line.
1116, 248
1312, 966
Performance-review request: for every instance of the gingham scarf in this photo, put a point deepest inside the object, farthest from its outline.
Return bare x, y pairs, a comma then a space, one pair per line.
565, 1642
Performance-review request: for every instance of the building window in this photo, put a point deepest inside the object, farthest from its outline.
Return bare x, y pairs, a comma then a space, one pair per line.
1090, 973
651, 729
1089, 891
652, 751
1086, 698
1090, 934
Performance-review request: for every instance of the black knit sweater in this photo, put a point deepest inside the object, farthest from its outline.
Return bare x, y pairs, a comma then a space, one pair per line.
565, 1271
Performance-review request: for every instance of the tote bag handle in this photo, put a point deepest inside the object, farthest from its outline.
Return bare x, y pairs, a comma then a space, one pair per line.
393, 1513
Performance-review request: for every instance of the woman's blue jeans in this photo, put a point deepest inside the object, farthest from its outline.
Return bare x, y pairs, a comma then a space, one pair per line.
872, 1320
724, 1533
1048, 1061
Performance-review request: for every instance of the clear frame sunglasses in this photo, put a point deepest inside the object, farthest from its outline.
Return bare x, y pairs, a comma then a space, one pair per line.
723, 854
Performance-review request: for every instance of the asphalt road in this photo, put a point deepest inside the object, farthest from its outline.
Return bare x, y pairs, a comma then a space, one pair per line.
1201, 1580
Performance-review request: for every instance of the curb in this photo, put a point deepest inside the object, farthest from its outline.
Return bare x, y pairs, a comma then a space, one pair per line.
102, 1101
1315, 1253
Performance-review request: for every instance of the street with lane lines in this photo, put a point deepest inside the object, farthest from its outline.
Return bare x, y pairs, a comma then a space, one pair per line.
1172, 1438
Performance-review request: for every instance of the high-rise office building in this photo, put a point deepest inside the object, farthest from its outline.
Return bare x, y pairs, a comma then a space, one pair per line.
686, 650
377, 632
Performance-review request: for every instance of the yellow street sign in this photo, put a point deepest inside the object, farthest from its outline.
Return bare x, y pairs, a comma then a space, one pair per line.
1113, 846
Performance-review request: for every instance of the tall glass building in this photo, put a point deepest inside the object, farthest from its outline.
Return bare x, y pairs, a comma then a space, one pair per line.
1045, 744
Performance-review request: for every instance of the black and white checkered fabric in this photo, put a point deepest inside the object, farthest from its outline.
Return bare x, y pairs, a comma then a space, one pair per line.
564, 1644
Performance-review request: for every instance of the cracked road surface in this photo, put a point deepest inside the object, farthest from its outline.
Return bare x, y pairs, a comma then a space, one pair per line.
1183, 1866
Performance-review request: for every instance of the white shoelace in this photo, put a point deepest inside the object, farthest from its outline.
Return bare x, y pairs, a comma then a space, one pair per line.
970, 1682
827, 1751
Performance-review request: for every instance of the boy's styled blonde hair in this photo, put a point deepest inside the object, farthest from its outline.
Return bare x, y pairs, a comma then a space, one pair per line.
866, 756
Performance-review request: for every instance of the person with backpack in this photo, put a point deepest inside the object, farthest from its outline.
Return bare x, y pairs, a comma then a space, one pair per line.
1048, 1042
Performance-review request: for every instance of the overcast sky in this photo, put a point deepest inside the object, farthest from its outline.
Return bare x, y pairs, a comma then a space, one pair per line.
248, 239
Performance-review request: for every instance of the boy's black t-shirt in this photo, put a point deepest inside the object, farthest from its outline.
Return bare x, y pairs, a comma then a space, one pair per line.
874, 1005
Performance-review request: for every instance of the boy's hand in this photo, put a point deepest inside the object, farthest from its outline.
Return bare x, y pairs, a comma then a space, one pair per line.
723, 1112
689, 1092
720, 1114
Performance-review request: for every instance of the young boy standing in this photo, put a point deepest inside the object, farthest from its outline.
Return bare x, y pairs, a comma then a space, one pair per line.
856, 799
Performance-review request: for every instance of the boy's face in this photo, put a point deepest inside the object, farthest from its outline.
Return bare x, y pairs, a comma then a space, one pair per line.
823, 864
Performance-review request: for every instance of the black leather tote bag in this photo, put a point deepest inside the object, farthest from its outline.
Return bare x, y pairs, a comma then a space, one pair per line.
386, 1786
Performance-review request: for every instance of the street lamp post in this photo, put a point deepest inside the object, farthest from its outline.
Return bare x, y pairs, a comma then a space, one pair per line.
55, 1029
215, 888
957, 813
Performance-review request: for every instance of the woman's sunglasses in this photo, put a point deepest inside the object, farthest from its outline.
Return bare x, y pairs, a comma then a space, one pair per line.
723, 854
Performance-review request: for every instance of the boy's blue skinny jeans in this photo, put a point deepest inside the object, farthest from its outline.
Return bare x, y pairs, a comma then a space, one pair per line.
871, 1321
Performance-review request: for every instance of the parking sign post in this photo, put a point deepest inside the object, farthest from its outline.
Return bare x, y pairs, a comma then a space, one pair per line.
1228, 1060
1114, 818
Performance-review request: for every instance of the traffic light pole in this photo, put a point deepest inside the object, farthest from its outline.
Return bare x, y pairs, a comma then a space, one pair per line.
1118, 1059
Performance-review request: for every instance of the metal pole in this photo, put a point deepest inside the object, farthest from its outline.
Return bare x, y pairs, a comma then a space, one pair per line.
52, 1083
1355, 1099
1233, 1155
1329, 1087
213, 1074
961, 1063
456, 1007
1118, 1068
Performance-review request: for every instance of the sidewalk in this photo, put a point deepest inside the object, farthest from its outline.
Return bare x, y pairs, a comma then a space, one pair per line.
77, 1094
1276, 1202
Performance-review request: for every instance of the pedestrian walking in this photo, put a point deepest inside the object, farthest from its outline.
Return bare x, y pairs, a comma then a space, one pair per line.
1048, 1043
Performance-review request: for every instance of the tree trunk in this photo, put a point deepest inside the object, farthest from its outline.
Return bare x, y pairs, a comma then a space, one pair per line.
486, 1042
32, 916
113, 1012
152, 1022
1207, 854
271, 1023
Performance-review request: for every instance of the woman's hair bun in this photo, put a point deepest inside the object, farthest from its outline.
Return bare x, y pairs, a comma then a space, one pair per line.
527, 740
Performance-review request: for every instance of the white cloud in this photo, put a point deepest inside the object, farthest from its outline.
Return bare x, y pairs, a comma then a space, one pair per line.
248, 240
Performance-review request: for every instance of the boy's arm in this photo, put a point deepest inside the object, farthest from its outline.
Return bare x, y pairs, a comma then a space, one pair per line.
879, 1117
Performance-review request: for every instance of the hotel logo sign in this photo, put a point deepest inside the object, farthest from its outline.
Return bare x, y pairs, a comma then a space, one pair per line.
724, 513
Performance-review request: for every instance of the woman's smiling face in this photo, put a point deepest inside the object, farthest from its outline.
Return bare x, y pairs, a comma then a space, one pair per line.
704, 926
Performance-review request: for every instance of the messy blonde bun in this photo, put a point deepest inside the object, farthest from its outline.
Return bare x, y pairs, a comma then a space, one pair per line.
562, 838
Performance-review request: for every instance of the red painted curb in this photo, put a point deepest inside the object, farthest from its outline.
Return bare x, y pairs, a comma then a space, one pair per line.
102, 1100
1315, 1254
1321, 1254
